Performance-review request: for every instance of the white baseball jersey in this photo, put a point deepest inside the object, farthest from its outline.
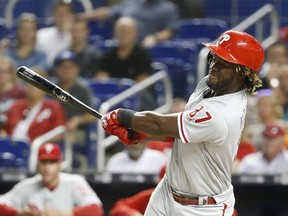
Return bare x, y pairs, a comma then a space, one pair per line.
255, 163
73, 190
210, 130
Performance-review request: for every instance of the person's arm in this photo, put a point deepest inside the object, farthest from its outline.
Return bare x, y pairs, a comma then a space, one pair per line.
151, 40
144, 125
100, 14
6, 210
132, 206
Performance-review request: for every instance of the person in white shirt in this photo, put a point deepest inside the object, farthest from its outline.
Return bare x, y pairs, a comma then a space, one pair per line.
55, 39
51, 192
137, 159
273, 157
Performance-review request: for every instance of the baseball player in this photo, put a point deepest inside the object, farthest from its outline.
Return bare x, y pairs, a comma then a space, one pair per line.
207, 133
51, 192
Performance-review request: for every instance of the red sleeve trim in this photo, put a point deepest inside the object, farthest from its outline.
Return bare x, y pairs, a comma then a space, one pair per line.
6, 210
182, 129
89, 210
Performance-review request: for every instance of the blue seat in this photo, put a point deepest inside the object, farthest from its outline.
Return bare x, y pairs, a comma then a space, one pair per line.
201, 28
103, 29
108, 88
13, 154
4, 30
180, 57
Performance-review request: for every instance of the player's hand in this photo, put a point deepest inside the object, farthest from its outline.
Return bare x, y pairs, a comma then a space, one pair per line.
29, 211
110, 119
48, 211
125, 135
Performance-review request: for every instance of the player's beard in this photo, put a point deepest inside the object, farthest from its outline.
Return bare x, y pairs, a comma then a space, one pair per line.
221, 85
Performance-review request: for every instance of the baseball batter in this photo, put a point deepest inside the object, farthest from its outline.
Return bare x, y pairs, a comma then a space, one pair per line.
51, 193
207, 133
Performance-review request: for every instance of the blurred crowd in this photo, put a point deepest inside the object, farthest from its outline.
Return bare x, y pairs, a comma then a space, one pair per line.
66, 53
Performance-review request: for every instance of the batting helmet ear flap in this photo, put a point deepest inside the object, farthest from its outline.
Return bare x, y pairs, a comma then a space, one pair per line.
209, 57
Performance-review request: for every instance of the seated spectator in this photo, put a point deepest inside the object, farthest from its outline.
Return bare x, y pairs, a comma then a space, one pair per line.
34, 115
88, 56
156, 19
67, 71
271, 159
57, 38
128, 60
51, 192
10, 89
276, 55
269, 111
281, 93
137, 159
24, 51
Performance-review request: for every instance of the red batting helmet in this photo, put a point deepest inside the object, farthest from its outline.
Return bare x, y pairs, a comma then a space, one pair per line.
239, 48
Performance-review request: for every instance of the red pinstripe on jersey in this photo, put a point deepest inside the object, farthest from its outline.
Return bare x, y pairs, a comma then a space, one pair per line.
181, 127
224, 209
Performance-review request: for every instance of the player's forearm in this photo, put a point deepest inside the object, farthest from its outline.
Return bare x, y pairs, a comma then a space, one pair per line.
153, 124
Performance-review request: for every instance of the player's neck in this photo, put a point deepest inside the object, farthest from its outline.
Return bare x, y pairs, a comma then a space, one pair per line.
52, 185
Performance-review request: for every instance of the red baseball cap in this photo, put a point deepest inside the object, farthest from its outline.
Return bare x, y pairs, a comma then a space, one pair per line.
50, 151
273, 131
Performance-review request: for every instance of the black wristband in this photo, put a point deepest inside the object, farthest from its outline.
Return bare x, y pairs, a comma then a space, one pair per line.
125, 117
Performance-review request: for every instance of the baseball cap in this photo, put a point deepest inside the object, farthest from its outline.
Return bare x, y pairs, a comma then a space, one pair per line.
49, 151
66, 55
273, 131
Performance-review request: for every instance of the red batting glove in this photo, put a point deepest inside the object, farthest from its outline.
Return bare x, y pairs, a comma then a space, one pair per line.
109, 120
125, 135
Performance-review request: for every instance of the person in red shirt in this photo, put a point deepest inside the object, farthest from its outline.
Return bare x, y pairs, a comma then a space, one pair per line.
136, 204
34, 115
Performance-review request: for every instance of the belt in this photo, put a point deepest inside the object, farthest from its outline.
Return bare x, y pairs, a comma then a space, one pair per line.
185, 200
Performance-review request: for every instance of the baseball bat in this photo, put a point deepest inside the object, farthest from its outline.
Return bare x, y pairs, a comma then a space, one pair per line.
55, 91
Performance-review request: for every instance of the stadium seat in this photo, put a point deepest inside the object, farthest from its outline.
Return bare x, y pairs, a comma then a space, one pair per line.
180, 59
106, 89
201, 28
4, 30
102, 29
13, 153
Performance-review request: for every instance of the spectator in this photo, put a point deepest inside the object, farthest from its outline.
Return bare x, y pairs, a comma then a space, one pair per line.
269, 111
282, 91
24, 51
51, 192
276, 55
88, 56
272, 158
128, 60
55, 39
156, 19
137, 159
10, 89
34, 115
67, 72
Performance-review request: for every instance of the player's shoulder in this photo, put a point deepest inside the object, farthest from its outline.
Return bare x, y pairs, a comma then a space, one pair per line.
30, 182
70, 177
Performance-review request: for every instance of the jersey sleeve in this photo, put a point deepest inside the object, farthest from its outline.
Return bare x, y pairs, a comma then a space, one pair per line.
16, 197
83, 194
203, 124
